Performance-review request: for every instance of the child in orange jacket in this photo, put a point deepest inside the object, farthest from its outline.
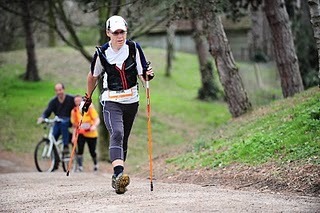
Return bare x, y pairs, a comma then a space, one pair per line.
87, 131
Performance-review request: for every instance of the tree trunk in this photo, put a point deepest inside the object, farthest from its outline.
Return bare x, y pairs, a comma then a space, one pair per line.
314, 6
304, 41
208, 90
102, 18
31, 73
235, 94
51, 20
285, 54
259, 37
104, 139
170, 47
103, 145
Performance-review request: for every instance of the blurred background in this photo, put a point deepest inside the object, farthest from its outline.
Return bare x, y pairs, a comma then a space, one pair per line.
214, 61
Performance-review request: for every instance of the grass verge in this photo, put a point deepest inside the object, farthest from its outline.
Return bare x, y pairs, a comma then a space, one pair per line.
285, 131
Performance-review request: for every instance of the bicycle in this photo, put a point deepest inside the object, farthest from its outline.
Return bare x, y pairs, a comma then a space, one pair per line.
49, 151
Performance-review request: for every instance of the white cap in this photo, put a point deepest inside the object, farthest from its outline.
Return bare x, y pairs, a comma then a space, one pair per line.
116, 23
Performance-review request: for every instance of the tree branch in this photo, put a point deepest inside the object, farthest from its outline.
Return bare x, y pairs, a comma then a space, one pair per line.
69, 27
53, 26
97, 7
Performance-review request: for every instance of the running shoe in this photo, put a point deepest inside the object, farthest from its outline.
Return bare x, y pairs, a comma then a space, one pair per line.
120, 183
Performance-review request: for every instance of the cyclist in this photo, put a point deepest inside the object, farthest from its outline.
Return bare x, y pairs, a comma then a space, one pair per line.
87, 132
61, 105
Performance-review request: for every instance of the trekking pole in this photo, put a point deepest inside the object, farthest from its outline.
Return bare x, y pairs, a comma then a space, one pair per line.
74, 145
149, 128
77, 134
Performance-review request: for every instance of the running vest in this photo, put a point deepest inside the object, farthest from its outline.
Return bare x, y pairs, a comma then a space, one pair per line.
124, 78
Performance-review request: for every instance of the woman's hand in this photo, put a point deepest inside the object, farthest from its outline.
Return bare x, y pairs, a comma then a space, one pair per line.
93, 128
148, 74
74, 139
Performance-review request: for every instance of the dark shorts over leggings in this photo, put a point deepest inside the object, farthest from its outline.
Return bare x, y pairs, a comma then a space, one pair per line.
118, 119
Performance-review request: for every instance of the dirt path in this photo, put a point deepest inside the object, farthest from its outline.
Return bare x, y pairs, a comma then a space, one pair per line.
89, 192
22, 189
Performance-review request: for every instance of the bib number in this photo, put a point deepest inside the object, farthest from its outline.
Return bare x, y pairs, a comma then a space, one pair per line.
120, 94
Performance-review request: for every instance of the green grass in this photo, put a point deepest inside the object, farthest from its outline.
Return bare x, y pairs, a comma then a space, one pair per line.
285, 131
178, 118
19, 104
177, 95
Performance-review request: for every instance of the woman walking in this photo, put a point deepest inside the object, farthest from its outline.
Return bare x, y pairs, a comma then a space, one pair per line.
121, 63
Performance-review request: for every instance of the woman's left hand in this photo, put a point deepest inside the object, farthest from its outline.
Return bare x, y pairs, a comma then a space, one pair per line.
150, 72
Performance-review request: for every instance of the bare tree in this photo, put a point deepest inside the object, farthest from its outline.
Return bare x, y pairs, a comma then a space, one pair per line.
31, 73
171, 28
144, 15
113, 8
51, 20
104, 141
235, 93
219, 48
60, 11
285, 54
58, 8
259, 37
314, 6
304, 41
209, 90
10, 28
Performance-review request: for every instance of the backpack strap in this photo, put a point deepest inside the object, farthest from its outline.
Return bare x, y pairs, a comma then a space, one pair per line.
145, 64
142, 57
101, 51
132, 48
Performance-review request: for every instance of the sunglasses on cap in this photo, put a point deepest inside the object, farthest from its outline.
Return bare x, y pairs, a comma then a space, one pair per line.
122, 32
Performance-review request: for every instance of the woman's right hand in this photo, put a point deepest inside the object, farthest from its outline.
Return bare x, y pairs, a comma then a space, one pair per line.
73, 140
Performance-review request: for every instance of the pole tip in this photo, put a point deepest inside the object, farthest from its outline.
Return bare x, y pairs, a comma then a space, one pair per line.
151, 187
68, 173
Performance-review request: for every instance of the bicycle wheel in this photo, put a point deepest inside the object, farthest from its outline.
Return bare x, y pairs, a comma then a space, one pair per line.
44, 161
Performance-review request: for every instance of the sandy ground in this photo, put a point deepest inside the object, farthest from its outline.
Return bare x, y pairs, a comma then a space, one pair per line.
92, 192
23, 189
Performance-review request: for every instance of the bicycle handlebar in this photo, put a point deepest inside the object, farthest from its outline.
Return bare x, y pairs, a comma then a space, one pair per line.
49, 121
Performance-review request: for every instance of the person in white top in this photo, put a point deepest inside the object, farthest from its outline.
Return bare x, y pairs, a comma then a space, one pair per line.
121, 63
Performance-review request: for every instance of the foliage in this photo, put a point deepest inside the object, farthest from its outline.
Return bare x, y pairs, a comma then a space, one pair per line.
282, 132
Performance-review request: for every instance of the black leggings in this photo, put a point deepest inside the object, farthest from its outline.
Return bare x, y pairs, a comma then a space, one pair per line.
119, 119
92, 143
